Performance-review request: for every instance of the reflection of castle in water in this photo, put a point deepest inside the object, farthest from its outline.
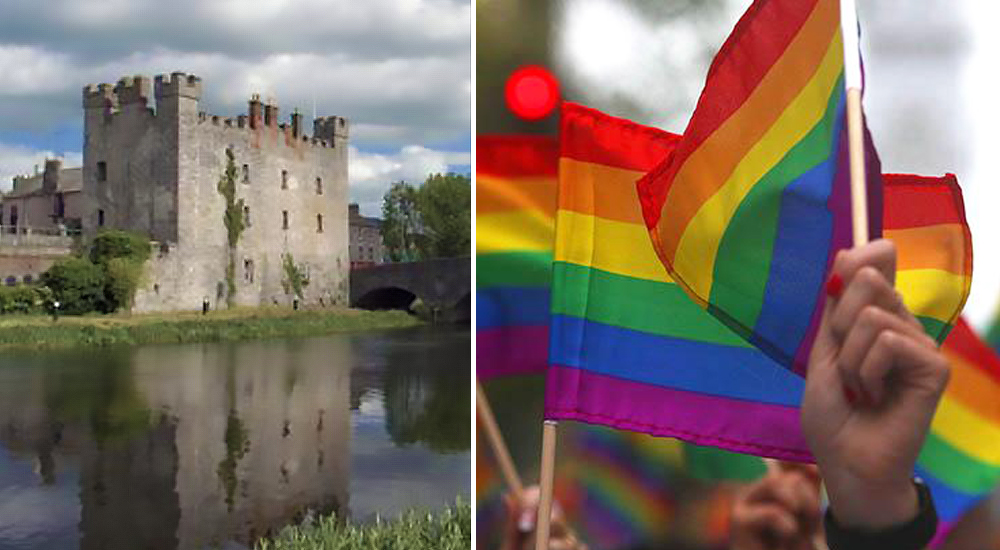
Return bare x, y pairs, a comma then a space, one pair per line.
176, 452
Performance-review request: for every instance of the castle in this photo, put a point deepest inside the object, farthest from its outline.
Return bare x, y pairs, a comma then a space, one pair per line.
155, 169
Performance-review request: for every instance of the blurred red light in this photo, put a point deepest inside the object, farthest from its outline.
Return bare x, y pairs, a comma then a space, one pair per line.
532, 92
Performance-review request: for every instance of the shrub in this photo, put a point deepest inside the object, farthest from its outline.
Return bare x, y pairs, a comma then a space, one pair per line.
20, 299
78, 285
122, 277
112, 243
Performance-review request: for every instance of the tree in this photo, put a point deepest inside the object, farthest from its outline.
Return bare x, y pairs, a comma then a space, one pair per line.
445, 206
401, 223
121, 255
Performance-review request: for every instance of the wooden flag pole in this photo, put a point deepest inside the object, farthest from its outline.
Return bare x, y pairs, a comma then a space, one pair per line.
546, 482
855, 122
856, 148
497, 444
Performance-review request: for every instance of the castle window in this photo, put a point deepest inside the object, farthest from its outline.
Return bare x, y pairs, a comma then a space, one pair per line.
248, 270
10, 281
319, 223
27, 279
284, 219
246, 216
100, 218
319, 186
60, 205
13, 217
102, 171
246, 174
284, 179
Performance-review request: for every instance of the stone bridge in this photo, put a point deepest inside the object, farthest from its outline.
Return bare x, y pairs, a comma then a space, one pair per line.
443, 285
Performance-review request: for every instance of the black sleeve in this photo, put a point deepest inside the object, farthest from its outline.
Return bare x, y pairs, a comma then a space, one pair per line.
914, 535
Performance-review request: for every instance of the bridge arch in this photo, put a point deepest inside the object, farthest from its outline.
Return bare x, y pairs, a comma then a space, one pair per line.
462, 310
440, 285
387, 297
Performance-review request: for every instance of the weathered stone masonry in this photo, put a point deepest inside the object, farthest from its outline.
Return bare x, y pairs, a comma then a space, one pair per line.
157, 171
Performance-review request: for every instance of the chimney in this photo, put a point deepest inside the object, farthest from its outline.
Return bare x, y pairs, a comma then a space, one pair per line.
50, 178
296, 124
270, 115
255, 111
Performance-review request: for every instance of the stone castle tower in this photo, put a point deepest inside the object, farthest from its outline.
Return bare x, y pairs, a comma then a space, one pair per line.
155, 169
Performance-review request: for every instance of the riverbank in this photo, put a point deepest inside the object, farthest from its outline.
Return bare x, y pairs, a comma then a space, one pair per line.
450, 529
41, 332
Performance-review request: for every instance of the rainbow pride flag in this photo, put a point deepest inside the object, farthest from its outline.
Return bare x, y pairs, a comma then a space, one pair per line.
749, 210
515, 228
960, 460
630, 350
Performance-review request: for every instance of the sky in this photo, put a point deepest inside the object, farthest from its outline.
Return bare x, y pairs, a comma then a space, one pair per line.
930, 97
399, 70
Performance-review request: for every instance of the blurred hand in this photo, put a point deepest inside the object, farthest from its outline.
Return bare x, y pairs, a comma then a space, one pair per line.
780, 511
519, 528
873, 385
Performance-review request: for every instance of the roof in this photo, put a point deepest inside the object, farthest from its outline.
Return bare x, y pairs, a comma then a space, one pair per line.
70, 181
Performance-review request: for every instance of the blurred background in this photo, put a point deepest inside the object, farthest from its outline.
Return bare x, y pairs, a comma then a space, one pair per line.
930, 102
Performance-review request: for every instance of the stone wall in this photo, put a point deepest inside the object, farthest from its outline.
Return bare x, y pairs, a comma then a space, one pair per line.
161, 170
30, 255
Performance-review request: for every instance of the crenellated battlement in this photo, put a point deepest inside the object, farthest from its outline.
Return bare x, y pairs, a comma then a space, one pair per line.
331, 128
178, 84
99, 96
134, 89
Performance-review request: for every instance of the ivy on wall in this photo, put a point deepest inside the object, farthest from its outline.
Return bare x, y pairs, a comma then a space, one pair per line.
233, 220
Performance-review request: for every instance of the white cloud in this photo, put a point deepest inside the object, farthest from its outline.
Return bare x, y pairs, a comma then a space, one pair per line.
17, 160
653, 64
399, 64
371, 174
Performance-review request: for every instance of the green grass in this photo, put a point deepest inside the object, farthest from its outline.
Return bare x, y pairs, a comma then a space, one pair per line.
41, 332
450, 529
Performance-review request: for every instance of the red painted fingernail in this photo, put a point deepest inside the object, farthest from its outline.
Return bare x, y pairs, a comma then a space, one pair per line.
849, 395
834, 285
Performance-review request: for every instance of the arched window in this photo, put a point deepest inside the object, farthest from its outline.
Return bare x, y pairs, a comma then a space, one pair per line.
28, 279
319, 186
284, 179
319, 223
10, 280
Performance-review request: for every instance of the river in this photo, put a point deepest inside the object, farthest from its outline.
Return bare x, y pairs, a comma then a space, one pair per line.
214, 445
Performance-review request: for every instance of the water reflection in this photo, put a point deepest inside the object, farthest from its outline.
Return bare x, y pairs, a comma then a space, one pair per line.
187, 446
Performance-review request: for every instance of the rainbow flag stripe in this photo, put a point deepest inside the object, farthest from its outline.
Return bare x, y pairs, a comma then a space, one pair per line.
961, 459
993, 334
630, 350
749, 210
515, 226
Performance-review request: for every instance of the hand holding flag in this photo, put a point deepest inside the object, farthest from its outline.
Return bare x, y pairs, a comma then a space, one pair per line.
866, 438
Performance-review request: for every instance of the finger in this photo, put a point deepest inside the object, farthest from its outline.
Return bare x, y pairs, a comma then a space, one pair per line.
762, 490
868, 287
807, 497
871, 322
771, 518
913, 361
880, 254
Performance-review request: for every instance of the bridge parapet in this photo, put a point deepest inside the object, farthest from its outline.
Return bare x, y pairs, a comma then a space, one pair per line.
442, 284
